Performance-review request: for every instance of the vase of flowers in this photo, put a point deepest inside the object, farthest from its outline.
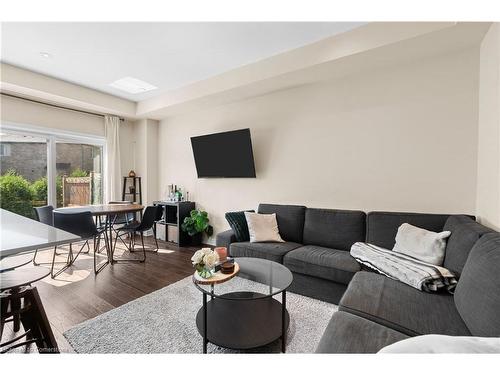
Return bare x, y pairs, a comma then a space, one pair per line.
204, 261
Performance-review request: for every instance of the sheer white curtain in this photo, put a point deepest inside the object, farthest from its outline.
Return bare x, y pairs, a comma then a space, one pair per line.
113, 167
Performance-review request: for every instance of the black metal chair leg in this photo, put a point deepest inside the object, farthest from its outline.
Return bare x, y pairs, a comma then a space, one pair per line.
132, 237
143, 248
34, 258
156, 240
68, 263
35, 263
97, 244
53, 261
73, 257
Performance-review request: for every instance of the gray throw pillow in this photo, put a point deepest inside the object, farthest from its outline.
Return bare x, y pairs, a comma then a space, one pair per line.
421, 244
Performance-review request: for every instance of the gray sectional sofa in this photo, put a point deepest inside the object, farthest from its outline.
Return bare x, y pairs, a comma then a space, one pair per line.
316, 247
375, 311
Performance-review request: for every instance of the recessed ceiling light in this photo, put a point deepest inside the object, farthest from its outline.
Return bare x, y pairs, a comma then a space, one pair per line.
132, 85
45, 55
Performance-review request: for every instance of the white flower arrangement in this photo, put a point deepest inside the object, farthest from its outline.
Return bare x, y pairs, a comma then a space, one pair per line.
204, 260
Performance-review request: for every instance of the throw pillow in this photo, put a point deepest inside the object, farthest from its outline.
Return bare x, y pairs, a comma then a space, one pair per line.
421, 244
263, 227
238, 223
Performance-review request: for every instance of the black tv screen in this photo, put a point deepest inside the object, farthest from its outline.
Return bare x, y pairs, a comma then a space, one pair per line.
227, 154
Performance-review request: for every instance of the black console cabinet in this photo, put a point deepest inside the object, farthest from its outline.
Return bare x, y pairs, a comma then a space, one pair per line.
173, 216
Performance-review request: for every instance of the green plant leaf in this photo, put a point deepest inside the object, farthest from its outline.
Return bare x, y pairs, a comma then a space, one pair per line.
197, 222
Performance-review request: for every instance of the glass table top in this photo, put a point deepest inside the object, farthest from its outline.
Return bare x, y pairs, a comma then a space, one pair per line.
257, 278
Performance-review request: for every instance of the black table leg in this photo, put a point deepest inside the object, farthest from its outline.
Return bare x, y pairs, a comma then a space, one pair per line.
283, 322
110, 239
205, 339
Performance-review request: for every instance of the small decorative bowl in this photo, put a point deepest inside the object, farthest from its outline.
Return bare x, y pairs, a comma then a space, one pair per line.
227, 268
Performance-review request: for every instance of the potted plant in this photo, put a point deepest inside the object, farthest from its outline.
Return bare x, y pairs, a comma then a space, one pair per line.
195, 225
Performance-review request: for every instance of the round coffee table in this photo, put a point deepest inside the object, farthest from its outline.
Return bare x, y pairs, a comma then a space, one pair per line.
242, 313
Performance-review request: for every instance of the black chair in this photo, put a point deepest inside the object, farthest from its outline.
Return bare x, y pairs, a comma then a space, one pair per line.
121, 219
148, 220
81, 224
45, 215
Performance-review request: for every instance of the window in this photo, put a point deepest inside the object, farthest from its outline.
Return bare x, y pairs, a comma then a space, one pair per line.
78, 168
40, 167
4, 149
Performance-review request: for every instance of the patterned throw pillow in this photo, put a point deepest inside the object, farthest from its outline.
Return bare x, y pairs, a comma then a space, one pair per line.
238, 224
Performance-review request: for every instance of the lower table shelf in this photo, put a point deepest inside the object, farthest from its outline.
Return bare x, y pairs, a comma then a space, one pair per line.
242, 323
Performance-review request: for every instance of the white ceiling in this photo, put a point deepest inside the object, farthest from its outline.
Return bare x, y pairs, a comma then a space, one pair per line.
166, 55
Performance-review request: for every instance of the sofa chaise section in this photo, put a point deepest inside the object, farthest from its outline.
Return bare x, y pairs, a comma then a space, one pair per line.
380, 299
401, 307
472, 310
347, 333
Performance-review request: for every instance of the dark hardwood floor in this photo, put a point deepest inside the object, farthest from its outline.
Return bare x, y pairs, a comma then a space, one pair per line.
78, 295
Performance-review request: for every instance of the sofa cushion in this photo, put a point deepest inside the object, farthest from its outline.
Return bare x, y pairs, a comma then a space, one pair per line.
322, 262
477, 295
347, 333
290, 220
381, 227
337, 229
238, 223
464, 234
401, 307
267, 250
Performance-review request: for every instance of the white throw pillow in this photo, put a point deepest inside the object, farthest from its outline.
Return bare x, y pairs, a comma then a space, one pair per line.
421, 244
263, 227
445, 344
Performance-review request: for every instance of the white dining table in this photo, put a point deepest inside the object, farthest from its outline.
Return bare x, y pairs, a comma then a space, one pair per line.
19, 234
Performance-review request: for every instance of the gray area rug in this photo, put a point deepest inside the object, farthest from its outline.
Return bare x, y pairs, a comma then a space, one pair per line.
164, 322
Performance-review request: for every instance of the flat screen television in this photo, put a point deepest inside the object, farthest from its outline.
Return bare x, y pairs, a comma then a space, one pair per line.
227, 154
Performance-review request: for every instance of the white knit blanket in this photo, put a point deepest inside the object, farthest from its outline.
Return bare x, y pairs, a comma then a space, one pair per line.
420, 275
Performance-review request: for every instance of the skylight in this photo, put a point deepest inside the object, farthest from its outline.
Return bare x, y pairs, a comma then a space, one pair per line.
132, 85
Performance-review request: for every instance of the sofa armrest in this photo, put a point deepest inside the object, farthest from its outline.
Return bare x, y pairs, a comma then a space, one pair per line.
225, 238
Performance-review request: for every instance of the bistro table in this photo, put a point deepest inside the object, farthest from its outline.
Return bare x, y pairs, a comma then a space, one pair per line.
20, 300
110, 211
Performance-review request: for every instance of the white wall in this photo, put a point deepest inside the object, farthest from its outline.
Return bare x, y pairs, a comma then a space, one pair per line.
144, 148
403, 139
488, 178
23, 112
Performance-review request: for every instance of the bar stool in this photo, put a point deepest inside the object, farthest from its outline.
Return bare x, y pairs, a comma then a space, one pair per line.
21, 304
15, 261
